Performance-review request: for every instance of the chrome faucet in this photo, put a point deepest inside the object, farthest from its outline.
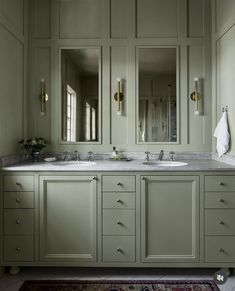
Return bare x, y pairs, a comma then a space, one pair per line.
161, 154
77, 156
66, 156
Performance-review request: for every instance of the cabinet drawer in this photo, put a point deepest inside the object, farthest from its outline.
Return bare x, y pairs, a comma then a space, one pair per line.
18, 221
220, 222
220, 199
118, 222
119, 183
220, 183
18, 183
220, 249
18, 199
118, 200
19, 248
119, 248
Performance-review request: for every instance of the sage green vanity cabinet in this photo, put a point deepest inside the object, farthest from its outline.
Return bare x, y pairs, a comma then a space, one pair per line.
170, 218
68, 218
219, 218
18, 218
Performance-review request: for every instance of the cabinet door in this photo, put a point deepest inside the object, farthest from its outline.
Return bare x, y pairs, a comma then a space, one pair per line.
170, 219
68, 215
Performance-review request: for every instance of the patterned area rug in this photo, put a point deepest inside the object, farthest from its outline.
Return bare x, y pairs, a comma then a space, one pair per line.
118, 286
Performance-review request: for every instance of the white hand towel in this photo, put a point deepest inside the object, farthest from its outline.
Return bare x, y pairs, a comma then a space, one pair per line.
222, 134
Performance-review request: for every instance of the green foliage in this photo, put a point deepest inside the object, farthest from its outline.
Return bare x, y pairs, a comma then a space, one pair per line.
34, 145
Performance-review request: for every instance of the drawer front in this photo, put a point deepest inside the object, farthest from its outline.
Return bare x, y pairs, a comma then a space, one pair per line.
18, 199
220, 222
118, 200
18, 222
220, 199
220, 249
118, 248
119, 183
18, 183
220, 183
19, 248
118, 222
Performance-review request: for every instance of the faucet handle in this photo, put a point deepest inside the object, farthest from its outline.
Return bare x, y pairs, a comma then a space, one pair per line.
90, 156
147, 156
66, 156
172, 157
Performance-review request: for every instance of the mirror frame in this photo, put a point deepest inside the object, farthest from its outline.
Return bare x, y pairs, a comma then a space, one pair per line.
61, 141
137, 95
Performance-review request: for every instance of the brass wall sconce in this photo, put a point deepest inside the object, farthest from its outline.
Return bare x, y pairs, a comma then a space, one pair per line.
43, 97
118, 97
195, 96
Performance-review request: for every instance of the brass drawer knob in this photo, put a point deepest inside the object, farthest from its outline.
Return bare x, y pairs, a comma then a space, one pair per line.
119, 222
221, 250
221, 183
18, 184
221, 200
119, 201
94, 178
18, 249
119, 250
18, 221
221, 222
18, 200
119, 184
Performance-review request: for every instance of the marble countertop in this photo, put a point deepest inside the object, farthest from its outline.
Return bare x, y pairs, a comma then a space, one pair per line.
122, 166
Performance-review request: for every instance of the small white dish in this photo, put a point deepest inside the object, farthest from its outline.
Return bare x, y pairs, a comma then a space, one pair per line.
51, 159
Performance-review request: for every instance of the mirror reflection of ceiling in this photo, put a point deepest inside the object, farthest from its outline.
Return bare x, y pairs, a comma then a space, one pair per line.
157, 60
86, 60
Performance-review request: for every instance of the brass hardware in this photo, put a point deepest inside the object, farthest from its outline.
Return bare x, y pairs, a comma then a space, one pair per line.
18, 221
18, 184
221, 200
119, 222
119, 184
221, 222
195, 96
94, 178
221, 183
43, 97
119, 250
118, 96
221, 250
18, 200
119, 201
143, 178
18, 249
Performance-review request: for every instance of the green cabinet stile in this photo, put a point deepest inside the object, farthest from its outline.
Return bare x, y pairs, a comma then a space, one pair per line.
169, 218
68, 218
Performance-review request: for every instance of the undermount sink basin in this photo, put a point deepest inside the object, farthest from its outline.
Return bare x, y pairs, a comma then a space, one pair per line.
74, 163
171, 164
166, 163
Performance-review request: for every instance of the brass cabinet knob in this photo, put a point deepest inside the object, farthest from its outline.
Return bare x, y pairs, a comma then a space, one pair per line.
18, 249
119, 184
221, 183
18, 184
119, 201
221, 250
119, 222
143, 178
94, 178
221, 222
18, 200
18, 221
221, 200
119, 250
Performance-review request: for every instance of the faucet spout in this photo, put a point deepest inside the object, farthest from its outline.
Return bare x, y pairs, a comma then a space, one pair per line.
77, 156
161, 154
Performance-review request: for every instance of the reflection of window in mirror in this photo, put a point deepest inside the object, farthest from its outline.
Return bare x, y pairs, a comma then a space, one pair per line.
80, 94
157, 114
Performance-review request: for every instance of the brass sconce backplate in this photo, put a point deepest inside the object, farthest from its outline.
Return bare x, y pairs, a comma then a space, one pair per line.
121, 96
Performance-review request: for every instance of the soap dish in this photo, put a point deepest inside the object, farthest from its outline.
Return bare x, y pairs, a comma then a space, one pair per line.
51, 159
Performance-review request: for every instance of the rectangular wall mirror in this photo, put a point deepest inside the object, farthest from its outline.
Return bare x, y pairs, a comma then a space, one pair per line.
157, 94
80, 90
